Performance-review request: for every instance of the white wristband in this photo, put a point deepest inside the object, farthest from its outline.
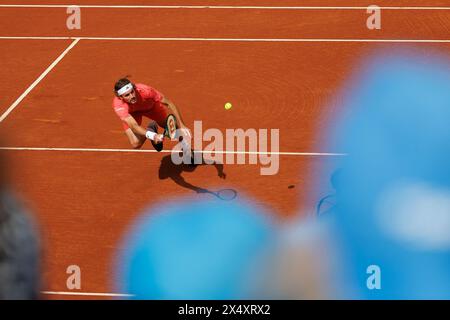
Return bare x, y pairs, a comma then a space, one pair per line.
150, 135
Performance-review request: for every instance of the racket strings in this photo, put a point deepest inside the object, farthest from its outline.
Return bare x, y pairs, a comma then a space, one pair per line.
227, 194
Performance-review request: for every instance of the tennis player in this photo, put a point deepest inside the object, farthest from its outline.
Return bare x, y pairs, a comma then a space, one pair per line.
134, 101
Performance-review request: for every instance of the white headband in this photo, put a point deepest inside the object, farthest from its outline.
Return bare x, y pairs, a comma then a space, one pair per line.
125, 89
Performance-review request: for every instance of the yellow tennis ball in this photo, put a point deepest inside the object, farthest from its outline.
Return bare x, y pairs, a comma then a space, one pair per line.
228, 106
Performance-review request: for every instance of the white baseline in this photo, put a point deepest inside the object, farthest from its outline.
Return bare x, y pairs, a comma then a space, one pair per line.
221, 7
228, 39
93, 294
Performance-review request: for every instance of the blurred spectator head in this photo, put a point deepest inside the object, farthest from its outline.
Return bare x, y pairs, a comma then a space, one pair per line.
388, 235
394, 188
197, 250
19, 245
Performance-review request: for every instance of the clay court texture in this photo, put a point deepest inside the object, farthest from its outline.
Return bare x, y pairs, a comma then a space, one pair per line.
280, 64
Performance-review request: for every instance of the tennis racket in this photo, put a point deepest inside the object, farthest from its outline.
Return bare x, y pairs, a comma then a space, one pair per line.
225, 194
170, 131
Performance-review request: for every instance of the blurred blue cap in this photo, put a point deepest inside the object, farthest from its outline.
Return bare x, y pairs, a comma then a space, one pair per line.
394, 195
195, 250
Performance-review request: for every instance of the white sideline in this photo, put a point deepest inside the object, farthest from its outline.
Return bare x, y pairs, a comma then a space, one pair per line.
35, 83
169, 151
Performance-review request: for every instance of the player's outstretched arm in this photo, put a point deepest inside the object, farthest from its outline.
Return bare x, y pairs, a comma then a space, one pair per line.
173, 108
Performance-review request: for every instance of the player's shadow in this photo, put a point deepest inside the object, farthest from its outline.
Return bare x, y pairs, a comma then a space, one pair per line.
170, 170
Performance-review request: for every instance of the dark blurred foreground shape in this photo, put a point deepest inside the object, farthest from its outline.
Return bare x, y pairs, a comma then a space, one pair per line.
187, 249
388, 233
19, 245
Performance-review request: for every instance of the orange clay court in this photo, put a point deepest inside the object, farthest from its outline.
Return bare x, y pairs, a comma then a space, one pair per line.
280, 68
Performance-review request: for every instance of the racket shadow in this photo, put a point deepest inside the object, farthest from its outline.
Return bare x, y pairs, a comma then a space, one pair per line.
224, 194
327, 204
169, 170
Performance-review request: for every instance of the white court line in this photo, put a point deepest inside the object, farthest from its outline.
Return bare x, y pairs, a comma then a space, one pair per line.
231, 39
35, 83
92, 294
169, 151
39, 38
220, 7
